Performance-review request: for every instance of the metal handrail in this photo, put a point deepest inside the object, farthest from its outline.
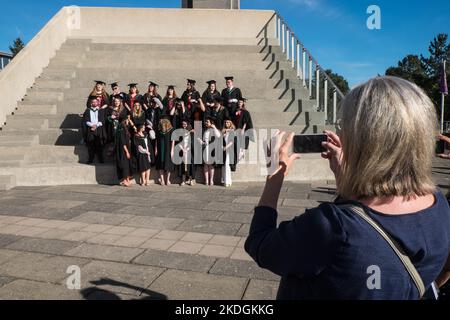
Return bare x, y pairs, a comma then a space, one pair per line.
291, 46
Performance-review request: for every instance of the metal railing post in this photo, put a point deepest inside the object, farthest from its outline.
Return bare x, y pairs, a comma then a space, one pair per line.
325, 99
318, 87
310, 76
293, 50
304, 67
334, 105
299, 75
288, 41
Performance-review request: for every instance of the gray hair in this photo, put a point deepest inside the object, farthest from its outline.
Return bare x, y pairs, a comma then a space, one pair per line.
389, 128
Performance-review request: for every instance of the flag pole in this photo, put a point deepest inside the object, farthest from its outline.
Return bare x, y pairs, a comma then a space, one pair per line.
442, 104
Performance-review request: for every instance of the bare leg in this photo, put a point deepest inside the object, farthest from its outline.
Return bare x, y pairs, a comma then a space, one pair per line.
168, 178
211, 175
161, 177
206, 174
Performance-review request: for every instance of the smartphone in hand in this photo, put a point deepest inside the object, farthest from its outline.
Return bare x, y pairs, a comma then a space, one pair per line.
309, 143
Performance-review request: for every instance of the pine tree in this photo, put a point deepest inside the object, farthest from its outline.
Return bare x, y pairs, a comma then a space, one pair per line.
16, 46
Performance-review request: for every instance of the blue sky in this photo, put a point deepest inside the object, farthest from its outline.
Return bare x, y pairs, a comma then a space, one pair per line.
334, 31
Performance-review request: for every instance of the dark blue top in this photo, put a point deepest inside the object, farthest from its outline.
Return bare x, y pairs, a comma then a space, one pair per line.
326, 252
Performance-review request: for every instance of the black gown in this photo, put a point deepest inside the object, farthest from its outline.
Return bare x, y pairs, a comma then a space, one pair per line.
112, 122
209, 97
217, 115
192, 110
143, 161
123, 165
244, 118
227, 95
121, 96
164, 146
128, 100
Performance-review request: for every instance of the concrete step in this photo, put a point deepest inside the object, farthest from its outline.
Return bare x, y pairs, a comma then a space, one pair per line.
49, 84
178, 44
309, 168
18, 140
287, 118
7, 182
36, 110
159, 55
58, 74
26, 121
51, 136
52, 120
44, 96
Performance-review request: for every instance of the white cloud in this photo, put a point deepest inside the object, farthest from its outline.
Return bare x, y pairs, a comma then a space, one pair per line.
312, 4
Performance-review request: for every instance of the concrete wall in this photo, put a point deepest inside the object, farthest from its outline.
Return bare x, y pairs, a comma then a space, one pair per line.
175, 25
21, 72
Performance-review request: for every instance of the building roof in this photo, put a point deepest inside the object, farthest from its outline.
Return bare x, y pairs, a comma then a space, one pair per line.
4, 54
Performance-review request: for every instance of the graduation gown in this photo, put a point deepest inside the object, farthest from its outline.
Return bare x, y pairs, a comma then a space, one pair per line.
130, 101
240, 118
169, 104
193, 110
209, 97
164, 145
143, 161
121, 96
138, 120
217, 115
227, 95
123, 165
88, 135
112, 122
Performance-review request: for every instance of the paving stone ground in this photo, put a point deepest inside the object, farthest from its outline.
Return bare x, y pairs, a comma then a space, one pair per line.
143, 242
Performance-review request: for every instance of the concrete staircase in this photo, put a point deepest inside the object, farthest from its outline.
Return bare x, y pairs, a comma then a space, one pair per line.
39, 144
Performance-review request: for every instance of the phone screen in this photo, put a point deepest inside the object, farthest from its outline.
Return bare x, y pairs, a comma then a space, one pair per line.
309, 143
440, 147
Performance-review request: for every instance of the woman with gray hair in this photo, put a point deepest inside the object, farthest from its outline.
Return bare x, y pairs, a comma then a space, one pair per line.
389, 235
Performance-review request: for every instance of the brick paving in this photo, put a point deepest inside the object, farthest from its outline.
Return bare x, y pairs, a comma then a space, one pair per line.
143, 242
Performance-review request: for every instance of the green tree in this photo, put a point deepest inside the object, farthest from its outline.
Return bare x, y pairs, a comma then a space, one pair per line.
425, 70
339, 81
16, 46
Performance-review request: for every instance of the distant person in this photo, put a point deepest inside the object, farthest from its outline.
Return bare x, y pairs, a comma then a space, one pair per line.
164, 151
112, 116
229, 152
123, 152
99, 93
116, 93
152, 104
382, 163
243, 120
210, 135
144, 154
447, 141
186, 170
132, 97
93, 130
210, 94
169, 102
192, 102
218, 113
231, 95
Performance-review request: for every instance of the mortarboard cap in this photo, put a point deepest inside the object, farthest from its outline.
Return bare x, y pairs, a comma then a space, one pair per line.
191, 81
229, 78
114, 84
132, 85
243, 99
171, 86
151, 83
210, 82
100, 82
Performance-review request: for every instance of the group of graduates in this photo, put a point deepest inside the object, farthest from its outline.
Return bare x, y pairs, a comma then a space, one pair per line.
138, 130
